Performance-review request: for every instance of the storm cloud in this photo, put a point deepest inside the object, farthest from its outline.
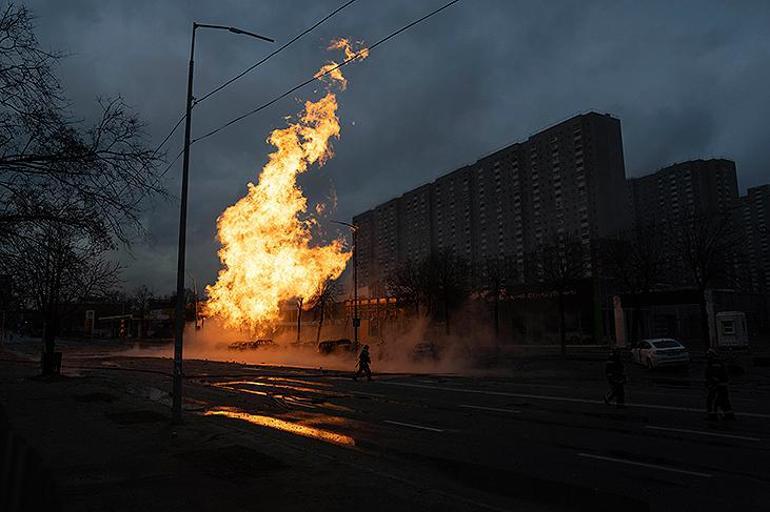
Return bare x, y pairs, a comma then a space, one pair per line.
688, 79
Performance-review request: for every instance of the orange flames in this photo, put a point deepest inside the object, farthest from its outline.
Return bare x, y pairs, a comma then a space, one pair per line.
266, 250
331, 70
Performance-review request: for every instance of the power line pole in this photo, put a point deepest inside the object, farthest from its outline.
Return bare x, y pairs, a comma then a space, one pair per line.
179, 313
356, 320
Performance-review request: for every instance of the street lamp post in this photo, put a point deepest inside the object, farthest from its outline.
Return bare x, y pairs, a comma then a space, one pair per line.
356, 320
179, 313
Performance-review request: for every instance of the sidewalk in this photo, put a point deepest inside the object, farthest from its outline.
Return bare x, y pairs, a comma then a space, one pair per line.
103, 449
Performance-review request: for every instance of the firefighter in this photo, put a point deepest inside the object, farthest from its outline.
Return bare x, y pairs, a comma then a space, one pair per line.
616, 378
717, 380
363, 364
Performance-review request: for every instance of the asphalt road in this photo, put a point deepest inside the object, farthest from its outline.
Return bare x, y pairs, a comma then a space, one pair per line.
556, 443
539, 434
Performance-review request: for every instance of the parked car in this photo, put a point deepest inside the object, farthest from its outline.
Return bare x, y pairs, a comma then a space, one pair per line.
251, 345
656, 352
424, 351
342, 345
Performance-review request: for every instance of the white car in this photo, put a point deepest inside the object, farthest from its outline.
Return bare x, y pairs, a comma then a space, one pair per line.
657, 352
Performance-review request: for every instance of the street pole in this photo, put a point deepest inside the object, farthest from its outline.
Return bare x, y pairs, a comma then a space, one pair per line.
179, 313
356, 320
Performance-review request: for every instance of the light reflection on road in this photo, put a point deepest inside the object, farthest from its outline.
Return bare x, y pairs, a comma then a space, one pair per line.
300, 389
283, 425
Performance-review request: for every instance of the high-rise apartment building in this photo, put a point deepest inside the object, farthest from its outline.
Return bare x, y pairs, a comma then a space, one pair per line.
565, 182
755, 213
680, 200
679, 192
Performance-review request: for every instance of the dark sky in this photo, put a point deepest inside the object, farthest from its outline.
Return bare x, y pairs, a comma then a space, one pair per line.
688, 79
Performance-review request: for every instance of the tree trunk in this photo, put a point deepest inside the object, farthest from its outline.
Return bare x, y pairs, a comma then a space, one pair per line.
704, 319
320, 324
497, 316
51, 325
446, 313
299, 319
513, 321
49, 340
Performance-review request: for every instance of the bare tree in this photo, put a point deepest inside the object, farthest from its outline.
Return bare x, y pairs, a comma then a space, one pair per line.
446, 282
437, 284
496, 281
53, 167
324, 302
710, 247
406, 283
56, 266
140, 304
561, 264
69, 192
9, 300
636, 260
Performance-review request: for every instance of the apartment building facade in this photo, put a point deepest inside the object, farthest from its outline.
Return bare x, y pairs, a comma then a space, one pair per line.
565, 182
755, 215
677, 193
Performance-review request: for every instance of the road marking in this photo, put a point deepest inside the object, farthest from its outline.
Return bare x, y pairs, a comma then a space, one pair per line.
644, 464
411, 425
567, 399
715, 434
496, 409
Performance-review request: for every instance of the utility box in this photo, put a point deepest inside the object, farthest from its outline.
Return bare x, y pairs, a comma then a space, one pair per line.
731, 330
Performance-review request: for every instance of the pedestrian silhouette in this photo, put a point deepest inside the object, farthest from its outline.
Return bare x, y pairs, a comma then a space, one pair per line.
616, 378
363, 364
717, 381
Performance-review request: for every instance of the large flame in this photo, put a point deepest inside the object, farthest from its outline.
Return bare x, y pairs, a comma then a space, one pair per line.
332, 70
266, 250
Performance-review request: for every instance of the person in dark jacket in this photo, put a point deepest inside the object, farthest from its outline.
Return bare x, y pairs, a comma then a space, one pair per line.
364, 360
616, 378
717, 381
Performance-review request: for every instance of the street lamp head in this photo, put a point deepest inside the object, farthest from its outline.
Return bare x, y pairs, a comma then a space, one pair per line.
235, 30
351, 226
179, 315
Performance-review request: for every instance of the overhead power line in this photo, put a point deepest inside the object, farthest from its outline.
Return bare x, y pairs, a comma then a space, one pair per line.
245, 72
272, 54
170, 165
165, 139
317, 76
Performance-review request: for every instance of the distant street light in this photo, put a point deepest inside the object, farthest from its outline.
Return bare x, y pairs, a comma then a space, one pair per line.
180, 309
356, 320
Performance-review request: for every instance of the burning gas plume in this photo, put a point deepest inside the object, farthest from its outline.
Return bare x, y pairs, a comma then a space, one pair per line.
332, 69
267, 251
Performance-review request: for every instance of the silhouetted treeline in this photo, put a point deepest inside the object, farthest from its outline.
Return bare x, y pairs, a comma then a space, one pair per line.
70, 191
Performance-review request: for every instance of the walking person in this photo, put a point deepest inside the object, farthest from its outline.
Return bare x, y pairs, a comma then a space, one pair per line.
364, 360
717, 381
616, 378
